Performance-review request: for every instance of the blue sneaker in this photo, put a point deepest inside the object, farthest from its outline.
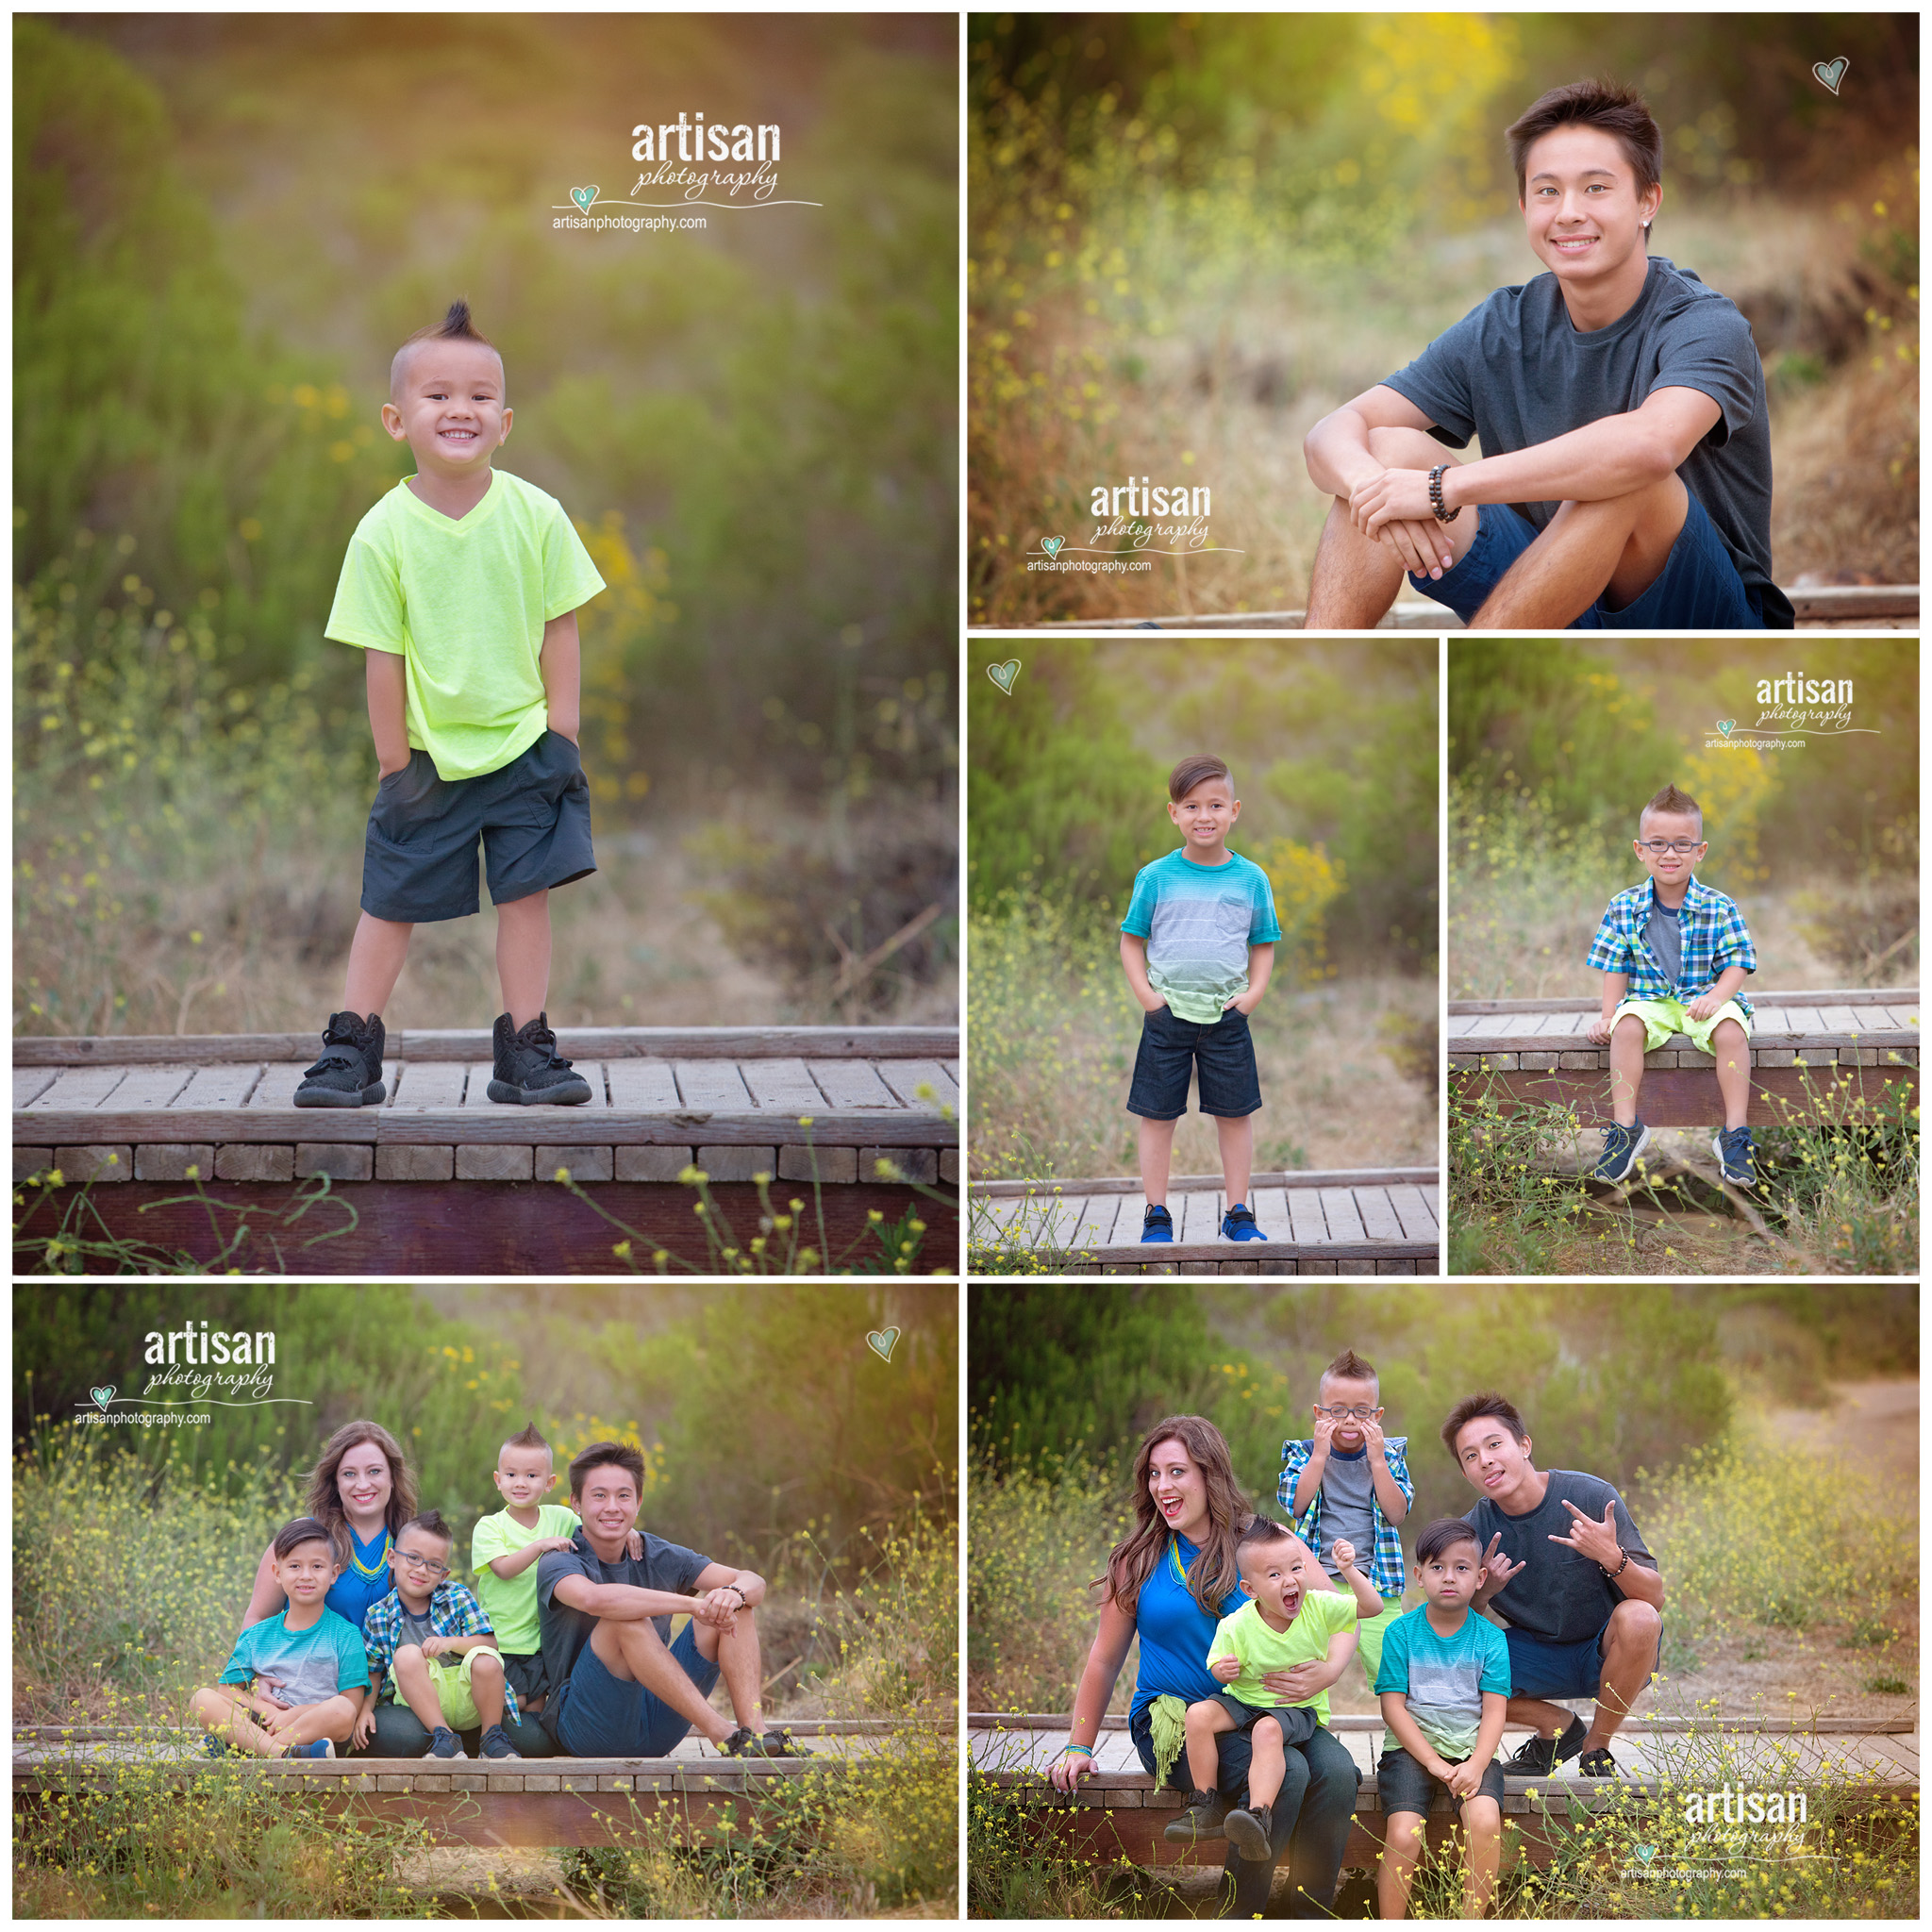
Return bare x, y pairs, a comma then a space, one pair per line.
323, 1747
1622, 1145
1732, 1146
1158, 1225
1237, 1225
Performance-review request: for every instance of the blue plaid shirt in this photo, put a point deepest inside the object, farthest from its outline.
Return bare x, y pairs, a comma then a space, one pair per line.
1385, 1570
454, 1611
1714, 938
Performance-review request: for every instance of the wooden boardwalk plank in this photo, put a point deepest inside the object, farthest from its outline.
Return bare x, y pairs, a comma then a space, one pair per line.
476, 1097
150, 1086
229, 1086
77, 1087
30, 1082
1412, 1213
422, 1084
852, 1083
1432, 1200
1203, 1215
711, 1083
1271, 1213
906, 1077
782, 1084
1345, 1220
1091, 1219
1378, 1216
642, 1086
275, 1087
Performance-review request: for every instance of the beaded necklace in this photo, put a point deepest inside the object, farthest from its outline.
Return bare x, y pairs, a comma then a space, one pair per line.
381, 1564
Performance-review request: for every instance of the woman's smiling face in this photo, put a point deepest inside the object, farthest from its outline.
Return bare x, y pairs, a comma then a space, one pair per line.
362, 1481
1178, 1488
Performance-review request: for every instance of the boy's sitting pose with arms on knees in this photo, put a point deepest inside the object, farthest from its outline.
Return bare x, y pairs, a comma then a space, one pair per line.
1350, 1486
293, 1684
1197, 946
462, 587
1675, 956
617, 1688
1444, 1686
447, 1669
1624, 481
1286, 1626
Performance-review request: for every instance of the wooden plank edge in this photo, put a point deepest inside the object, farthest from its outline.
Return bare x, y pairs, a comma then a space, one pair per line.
1156, 1252
1363, 1721
1193, 1183
1846, 997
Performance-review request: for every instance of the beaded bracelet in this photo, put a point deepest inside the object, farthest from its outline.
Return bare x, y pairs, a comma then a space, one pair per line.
1437, 502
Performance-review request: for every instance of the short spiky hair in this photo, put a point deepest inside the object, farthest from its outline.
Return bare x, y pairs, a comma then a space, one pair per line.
1669, 799
1350, 1367
1262, 1529
1618, 110
431, 1524
1190, 773
455, 326
527, 1436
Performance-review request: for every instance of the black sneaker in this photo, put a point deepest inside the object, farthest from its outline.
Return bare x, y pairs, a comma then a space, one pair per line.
1206, 1815
1248, 1829
1157, 1224
444, 1743
1540, 1756
496, 1743
746, 1743
528, 1071
1598, 1763
349, 1074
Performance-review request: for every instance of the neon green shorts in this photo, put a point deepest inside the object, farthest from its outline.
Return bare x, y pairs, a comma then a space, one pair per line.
451, 1683
1662, 1018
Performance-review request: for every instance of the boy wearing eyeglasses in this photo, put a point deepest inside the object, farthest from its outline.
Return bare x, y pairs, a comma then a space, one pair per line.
1674, 954
1348, 1484
447, 1669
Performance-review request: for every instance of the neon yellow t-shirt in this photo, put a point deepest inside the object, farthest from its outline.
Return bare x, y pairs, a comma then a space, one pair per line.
1261, 1648
463, 601
511, 1602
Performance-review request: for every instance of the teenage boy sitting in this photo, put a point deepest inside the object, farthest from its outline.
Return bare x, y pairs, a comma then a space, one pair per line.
1197, 946
1674, 954
618, 1688
1624, 481
1287, 1624
1350, 1481
1585, 1606
1445, 1687
447, 1672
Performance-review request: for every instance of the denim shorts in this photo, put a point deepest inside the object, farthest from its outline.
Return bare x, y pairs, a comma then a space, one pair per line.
1541, 1668
1171, 1049
1402, 1785
419, 857
1698, 589
597, 1715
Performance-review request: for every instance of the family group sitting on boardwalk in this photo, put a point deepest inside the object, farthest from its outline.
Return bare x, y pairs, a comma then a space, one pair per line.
1244, 1621
358, 1633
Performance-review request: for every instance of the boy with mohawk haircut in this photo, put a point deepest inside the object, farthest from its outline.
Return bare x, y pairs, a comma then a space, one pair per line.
1348, 1486
461, 588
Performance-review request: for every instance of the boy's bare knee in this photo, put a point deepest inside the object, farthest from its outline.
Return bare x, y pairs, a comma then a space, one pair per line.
1266, 1730
488, 1664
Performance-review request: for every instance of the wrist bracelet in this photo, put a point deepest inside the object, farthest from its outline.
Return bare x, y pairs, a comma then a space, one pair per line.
1443, 514
1613, 1574
1085, 1750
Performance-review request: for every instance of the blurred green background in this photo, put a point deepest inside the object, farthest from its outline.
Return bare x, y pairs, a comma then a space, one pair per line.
1553, 749
1191, 235
1333, 751
225, 223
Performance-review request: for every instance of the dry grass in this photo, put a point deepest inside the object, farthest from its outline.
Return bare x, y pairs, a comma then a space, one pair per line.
1235, 362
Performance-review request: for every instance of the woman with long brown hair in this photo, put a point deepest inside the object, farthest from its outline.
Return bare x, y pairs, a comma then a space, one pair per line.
1168, 1582
362, 1490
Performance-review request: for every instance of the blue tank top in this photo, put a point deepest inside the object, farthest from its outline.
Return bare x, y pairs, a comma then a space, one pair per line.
354, 1593
1175, 1632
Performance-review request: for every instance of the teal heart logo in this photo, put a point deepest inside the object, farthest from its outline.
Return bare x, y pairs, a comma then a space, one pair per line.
1727, 725
1646, 1853
583, 197
881, 1342
103, 1396
1831, 71
1004, 674
1052, 545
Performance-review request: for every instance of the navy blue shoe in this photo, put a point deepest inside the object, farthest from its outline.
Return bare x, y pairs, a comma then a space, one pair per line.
323, 1747
1622, 1145
1158, 1226
1237, 1225
1732, 1146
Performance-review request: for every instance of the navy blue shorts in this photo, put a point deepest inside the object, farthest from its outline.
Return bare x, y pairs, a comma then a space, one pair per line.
1402, 1785
1698, 589
1171, 1049
419, 857
601, 1716
1541, 1668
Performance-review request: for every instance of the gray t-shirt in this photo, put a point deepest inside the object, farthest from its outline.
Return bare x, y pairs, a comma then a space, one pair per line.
1347, 1485
1560, 1596
665, 1566
1515, 372
1665, 935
